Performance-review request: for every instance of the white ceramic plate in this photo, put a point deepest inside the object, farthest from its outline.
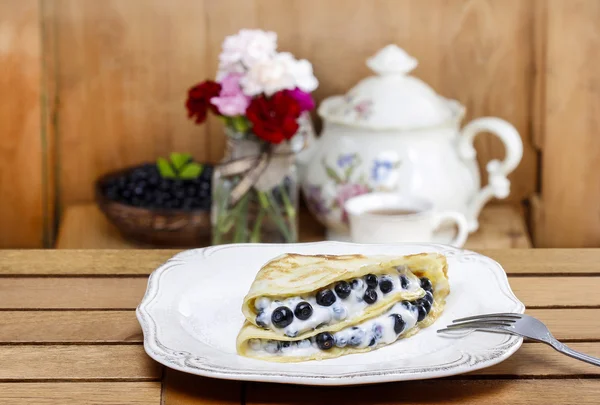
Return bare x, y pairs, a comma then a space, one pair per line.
191, 315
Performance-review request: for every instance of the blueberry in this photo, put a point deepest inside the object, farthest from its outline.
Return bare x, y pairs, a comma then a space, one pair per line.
386, 285
285, 344
339, 312
399, 323
260, 320
428, 297
426, 284
406, 304
370, 296
357, 283
303, 311
377, 331
357, 337
325, 297
304, 344
325, 340
404, 282
341, 341
372, 342
425, 304
422, 313
342, 289
254, 344
371, 280
282, 317
272, 346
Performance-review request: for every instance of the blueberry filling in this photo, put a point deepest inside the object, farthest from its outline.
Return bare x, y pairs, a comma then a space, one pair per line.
325, 298
339, 301
384, 329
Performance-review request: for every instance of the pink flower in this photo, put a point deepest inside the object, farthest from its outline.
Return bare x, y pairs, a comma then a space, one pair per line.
231, 101
346, 192
303, 98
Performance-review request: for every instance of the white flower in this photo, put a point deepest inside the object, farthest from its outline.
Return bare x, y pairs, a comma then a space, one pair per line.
243, 50
303, 75
281, 72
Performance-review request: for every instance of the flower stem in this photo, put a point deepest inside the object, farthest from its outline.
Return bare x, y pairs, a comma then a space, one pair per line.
268, 202
255, 236
240, 213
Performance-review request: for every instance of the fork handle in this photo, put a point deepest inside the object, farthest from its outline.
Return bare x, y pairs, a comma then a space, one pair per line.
561, 347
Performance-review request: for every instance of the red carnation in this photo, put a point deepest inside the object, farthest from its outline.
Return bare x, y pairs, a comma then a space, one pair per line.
198, 101
274, 119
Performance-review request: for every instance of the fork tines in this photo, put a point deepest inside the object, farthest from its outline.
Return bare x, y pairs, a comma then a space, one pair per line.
491, 322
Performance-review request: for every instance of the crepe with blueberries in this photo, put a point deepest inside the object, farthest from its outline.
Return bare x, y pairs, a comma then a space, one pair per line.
359, 304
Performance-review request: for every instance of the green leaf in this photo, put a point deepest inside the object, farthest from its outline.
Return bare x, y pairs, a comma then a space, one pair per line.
348, 172
180, 159
165, 169
191, 171
333, 175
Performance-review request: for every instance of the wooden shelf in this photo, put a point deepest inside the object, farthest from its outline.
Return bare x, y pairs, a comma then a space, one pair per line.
84, 227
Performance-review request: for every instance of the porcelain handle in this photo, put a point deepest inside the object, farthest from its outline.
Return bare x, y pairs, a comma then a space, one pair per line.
461, 222
498, 184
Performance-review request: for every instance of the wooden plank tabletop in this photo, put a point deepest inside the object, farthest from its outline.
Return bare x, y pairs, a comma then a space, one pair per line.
83, 226
68, 335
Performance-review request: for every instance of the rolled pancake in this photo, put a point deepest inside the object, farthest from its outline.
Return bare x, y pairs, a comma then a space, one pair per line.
430, 265
292, 275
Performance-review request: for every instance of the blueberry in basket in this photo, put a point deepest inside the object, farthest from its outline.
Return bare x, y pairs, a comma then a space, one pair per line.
165, 203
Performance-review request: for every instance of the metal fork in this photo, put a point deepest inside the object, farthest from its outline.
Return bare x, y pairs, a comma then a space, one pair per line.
517, 324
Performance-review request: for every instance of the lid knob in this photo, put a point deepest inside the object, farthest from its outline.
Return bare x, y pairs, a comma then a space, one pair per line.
392, 60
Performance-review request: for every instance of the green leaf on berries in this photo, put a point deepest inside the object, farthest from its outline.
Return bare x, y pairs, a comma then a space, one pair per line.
165, 169
179, 160
191, 171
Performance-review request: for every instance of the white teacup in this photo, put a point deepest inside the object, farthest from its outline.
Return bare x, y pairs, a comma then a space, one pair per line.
391, 218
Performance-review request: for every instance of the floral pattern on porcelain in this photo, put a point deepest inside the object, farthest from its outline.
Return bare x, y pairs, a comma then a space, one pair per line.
361, 109
348, 178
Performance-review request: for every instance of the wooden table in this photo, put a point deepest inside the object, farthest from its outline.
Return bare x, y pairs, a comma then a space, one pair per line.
83, 226
68, 335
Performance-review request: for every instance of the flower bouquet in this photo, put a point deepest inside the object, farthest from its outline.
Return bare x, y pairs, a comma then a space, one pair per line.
263, 97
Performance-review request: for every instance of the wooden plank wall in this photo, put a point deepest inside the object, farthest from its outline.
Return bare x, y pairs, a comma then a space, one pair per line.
567, 212
22, 184
115, 74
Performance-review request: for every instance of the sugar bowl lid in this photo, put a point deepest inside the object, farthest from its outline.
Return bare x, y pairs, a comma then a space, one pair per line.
392, 99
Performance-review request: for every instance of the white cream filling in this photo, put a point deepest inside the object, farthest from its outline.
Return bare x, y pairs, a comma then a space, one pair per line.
351, 307
379, 331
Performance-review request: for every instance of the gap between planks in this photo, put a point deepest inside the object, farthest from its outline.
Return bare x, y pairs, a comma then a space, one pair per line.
108, 263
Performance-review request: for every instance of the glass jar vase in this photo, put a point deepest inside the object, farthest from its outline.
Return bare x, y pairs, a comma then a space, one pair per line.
267, 213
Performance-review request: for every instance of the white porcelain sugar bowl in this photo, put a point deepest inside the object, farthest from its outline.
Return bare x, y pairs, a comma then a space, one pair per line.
392, 132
